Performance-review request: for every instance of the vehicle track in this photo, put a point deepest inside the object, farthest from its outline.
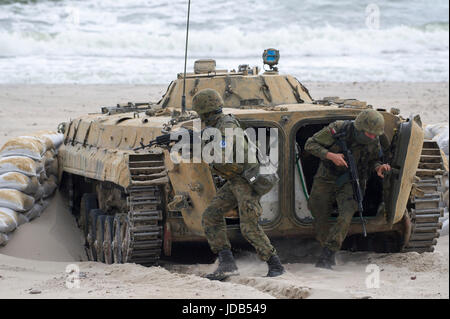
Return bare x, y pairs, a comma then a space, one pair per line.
428, 206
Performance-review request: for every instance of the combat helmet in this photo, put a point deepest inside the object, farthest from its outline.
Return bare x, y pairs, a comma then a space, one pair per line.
370, 121
207, 101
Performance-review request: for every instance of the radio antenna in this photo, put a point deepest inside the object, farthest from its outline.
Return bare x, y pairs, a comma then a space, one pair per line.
183, 98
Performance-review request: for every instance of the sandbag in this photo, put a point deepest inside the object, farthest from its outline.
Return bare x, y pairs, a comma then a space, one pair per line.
439, 133
10, 220
39, 194
36, 211
15, 200
54, 179
45, 142
50, 162
432, 130
45, 203
20, 182
56, 138
48, 157
52, 168
49, 187
52, 139
20, 164
24, 146
442, 140
42, 177
3, 239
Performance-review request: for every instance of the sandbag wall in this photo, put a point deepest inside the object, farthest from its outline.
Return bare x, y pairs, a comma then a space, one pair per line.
28, 177
439, 133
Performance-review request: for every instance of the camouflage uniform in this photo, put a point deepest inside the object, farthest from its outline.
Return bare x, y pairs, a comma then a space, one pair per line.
236, 193
332, 183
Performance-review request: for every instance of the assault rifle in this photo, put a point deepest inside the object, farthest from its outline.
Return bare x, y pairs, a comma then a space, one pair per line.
165, 140
162, 140
354, 178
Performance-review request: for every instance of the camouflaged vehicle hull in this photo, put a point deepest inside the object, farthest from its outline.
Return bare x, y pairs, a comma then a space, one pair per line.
132, 205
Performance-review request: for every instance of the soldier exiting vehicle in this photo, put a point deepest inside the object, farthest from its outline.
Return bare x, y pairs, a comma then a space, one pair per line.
332, 182
236, 193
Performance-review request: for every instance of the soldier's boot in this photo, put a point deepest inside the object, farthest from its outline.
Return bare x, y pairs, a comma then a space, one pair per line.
275, 267
227, 266
326, 259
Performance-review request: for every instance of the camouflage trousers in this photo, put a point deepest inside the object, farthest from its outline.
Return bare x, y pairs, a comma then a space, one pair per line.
236, 193
324, 194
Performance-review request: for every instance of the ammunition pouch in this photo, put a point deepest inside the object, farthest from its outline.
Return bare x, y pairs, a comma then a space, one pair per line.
343, 179
261, 183
227, 171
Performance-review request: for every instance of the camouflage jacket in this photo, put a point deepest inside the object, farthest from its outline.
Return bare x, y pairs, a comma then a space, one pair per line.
366, 156
224, 169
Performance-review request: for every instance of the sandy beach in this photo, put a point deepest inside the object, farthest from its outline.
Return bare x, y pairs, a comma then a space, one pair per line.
28, 108
35, 262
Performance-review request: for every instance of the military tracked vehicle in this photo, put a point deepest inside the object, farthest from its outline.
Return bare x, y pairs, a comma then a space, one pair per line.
132, 205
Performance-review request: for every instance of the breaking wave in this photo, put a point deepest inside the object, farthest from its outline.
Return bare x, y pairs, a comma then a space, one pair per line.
140, 41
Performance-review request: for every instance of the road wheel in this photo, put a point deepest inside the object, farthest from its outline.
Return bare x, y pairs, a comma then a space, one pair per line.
117, 242
99, 236
126, 239
108, 239
88, 202
92, 234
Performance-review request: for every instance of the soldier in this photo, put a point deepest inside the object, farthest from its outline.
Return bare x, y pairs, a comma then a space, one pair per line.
236, 193
332, 180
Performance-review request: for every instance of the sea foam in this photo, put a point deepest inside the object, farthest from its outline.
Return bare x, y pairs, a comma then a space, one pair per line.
140, 41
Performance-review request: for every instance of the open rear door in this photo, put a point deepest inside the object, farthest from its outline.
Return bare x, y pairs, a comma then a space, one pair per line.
409, 143
194, 188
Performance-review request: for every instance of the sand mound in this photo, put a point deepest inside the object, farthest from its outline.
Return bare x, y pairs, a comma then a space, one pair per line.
20, 277
425, 262
53, 237
276, 287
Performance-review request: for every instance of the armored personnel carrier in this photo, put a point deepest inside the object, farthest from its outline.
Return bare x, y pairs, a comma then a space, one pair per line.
133, 204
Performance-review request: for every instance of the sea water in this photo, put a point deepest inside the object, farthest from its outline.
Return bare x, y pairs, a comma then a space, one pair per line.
142, 41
